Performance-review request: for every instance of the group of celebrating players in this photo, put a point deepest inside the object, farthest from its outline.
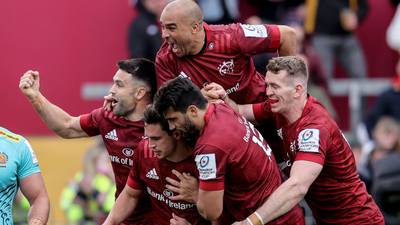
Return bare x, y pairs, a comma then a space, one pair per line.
181, 138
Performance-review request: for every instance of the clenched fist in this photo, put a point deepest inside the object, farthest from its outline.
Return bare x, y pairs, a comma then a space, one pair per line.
29, 84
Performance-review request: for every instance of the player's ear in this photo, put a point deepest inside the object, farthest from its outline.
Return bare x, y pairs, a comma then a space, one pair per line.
176, 134
140, 92
299, 89
192, 111
196, 27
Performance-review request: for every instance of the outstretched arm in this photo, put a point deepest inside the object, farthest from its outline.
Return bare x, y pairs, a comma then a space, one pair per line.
55, 118
288, 194
33, 188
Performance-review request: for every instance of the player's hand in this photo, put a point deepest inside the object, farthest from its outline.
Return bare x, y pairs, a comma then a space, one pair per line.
176, 220
187, 187
214, 93
29, 84
107, 102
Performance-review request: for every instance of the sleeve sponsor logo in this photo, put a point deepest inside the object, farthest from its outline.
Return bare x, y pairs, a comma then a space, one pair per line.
309, 140
258, 31
206, 165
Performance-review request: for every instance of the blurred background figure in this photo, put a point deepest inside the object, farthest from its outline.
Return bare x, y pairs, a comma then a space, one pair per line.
317, 82
385, 138
219, 11
89, 196
332, 23
269, 12
144, 36
384, 169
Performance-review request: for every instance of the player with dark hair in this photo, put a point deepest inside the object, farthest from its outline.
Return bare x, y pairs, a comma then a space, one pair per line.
237, 171
160, 155
121, 129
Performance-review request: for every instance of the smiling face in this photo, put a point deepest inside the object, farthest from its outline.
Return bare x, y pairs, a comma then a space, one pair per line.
281, 91
160, 142
123, 92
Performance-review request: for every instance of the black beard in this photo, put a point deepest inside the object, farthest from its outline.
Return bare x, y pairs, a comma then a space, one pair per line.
190, 134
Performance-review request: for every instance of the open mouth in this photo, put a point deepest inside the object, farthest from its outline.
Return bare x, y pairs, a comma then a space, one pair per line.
174, 48
114, 102
273, 101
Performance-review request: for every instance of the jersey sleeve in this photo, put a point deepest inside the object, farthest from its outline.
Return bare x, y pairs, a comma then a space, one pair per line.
262, 111
211, 164
90, 122
312, 143
164, 68
256, 39
134, 174
28, 161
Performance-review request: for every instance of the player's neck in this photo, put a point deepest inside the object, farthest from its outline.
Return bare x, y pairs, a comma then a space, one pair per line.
296, 110
199, 42
138, 113
200, 120
181, 153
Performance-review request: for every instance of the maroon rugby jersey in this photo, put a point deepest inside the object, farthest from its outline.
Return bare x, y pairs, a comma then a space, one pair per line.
149, 173
231, 155
337, 196
226, 59
121, 138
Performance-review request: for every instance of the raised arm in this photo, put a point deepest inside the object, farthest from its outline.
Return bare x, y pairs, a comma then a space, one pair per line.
55, 118
288, 45
33, 188
124, 206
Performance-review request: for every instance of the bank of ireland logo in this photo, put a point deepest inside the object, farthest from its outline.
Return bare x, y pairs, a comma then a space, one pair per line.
128, 152
226, 67
307, 135
168, 193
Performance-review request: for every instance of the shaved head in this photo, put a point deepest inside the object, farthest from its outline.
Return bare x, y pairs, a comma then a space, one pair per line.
187, 9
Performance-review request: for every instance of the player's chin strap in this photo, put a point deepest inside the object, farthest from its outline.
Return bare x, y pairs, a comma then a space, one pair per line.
255, 219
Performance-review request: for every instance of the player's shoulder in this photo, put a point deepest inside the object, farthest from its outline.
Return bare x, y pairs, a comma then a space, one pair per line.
9, 136
165, 53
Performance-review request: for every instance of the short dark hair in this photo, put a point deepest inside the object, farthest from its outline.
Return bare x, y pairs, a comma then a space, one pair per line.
141, 69
151, 116
178, 93
294, 65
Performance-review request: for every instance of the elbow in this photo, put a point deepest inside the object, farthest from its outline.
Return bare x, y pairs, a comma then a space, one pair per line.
300, 189
209, 213
63, 134
288, 41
